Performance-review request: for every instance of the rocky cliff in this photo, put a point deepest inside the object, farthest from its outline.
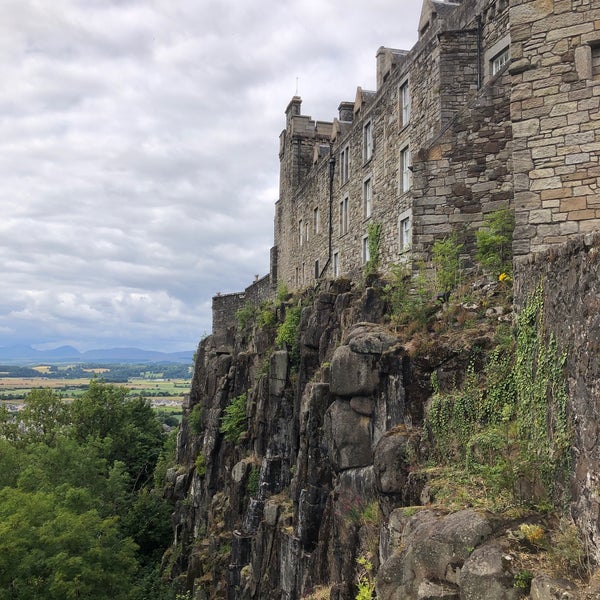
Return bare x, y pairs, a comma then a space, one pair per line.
306, 466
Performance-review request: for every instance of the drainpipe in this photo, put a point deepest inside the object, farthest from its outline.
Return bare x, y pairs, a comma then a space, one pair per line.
478, 52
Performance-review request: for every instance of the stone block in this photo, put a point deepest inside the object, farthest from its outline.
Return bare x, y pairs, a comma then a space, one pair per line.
570, 204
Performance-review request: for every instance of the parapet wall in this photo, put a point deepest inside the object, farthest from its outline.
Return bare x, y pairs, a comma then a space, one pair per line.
225, 307
569, 277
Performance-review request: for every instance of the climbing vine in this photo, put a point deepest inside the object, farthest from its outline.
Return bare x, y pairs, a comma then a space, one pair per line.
510, 420
542, 423
374, 245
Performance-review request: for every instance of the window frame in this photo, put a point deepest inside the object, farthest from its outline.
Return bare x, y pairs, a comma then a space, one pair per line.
345, 164
405, 102
368, 197
365, 254
344, 216
336, 263
404, 234
405, 179
368, 145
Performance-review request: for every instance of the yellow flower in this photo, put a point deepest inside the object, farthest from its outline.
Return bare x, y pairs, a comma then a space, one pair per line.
504, 277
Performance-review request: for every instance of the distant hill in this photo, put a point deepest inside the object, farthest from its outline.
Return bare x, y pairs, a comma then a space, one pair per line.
27, 355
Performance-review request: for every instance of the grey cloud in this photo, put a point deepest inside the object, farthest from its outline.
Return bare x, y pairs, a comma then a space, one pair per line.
138, 152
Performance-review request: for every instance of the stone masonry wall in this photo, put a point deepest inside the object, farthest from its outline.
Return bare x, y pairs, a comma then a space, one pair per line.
466, 172
444, 71
555, 109
569, 276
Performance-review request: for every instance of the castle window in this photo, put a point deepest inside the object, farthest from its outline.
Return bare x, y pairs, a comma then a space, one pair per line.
496, 56
316, 220
300, 232
405, 170
405, 103
367, 197
317, 269
367, 141
500, 60
306, 231
344, 220
405, 233
344, 165
336, 264
365, 250
596, 61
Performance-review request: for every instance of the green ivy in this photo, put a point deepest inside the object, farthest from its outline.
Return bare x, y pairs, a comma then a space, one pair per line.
510, 420
542, 422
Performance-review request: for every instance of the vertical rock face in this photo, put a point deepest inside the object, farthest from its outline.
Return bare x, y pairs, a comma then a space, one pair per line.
324, 457
309, 498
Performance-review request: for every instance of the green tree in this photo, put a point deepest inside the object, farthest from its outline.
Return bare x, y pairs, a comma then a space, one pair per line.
126, 429
49, 550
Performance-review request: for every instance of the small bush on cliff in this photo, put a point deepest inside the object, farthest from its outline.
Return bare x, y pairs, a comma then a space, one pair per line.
195, 419
246, 315
233, 422
494, 242
288, 333
446, 255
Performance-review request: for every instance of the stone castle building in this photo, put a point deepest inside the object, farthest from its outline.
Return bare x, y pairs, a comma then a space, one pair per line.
497, 105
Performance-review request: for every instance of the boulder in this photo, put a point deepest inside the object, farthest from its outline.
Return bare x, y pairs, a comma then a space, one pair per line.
547, 588
484, 576
353, 374
391, 462
434, 548
348, 437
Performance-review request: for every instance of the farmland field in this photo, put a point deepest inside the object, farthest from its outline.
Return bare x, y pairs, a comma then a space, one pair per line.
165, 394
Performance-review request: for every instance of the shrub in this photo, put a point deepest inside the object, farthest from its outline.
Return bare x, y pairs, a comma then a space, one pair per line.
253, 480
494, 242
195, 419
200, 465
288, 334
233, 422
246, 315
446, 254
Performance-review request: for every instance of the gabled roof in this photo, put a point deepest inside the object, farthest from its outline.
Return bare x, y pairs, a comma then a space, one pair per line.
363, 98
435, 8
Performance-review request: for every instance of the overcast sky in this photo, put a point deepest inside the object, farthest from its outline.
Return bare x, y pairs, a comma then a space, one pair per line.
138, 152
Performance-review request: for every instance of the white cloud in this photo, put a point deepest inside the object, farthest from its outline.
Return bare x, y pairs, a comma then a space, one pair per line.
138, 152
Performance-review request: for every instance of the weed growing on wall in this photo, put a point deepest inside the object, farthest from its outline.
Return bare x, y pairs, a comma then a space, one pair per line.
233, 422
374, 245
200, 464
408, 295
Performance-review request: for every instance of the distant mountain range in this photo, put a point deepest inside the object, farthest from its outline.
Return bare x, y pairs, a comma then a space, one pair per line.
63, 354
